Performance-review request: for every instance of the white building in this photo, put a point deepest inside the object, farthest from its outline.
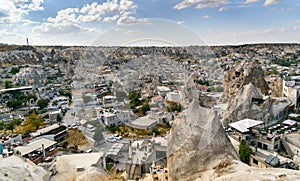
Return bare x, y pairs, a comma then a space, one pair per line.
174, 96
163, 90
109, 99
291, 90
53, 115
124, 116
110, 119
115, 117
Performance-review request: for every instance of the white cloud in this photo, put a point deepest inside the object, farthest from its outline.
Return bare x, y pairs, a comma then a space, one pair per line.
88, 18
35, 5
205, 17
70, 20
110, 6
127, 5
180, 22
13, 11
109, 11
250, 1
64, 16
200, 4
110, 18
50, 28
28, 22
222, 9
271, 2
126, 18
88, 7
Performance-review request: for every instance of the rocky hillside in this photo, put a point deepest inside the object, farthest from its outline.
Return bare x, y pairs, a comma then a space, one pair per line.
234, 170
250, 103
198, 149
197, 143
241, 74
255, 75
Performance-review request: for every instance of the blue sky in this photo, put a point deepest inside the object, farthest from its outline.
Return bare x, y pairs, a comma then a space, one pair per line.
179, 22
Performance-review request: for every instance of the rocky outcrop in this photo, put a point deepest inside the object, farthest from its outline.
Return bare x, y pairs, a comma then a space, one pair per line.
198, 149
197, 143
275, 83
255, 75
16, 168
238, 76
250, 103
237, 171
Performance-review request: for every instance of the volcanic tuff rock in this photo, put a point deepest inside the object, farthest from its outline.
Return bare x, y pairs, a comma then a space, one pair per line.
237, 171
237, 76
255, 74
250, 103
198, 149
276, 85
197, 143
16, 168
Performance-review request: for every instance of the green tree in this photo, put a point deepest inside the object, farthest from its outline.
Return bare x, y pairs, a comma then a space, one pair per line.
8, 84
54, 103
133, 95
14, 70
113, 129
244, 151
31, 96
42, 103
203, 82
65, 92
58, 118
13, 124
155, 131
32, 123
173, 106
145, 107
14, 103
134, 99
2, 126
17, 84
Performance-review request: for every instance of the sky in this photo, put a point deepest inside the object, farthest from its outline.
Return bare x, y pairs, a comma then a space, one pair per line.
149, 22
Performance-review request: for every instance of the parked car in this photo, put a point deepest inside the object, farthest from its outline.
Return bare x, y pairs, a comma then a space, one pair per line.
111, 139
118, 137
91, 128
74, 126
89, 151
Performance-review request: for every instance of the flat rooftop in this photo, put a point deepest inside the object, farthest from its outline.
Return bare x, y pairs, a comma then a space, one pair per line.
244, 125
15, 89
35, 145
83, 160
143, 122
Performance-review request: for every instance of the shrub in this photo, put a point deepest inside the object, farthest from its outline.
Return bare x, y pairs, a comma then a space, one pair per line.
244, 151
